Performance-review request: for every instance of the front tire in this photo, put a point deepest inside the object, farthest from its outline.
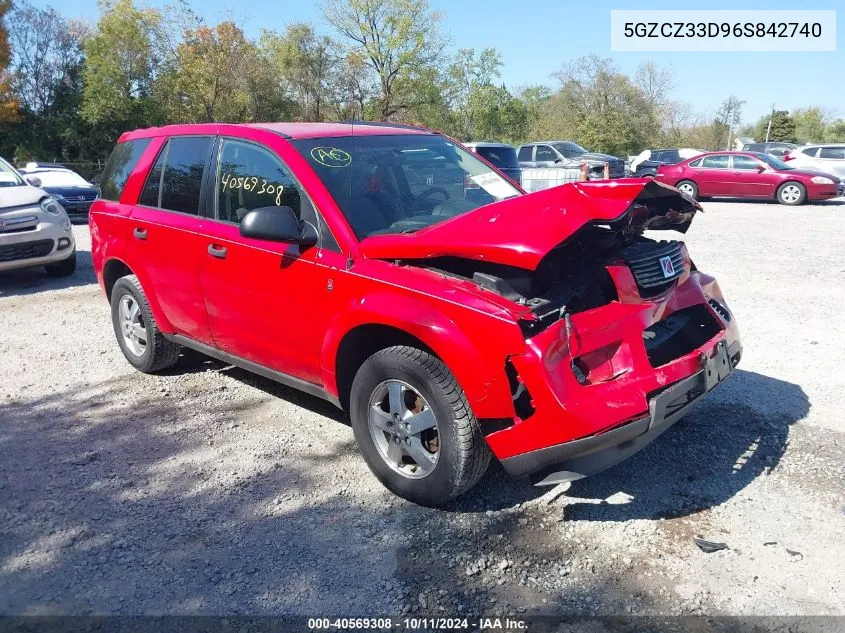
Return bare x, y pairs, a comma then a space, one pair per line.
415, 428
64, 268
792, 194
142, 343
688, 187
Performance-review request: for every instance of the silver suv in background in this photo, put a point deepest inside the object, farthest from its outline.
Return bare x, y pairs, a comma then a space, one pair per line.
34, 228
569, 154
827, 157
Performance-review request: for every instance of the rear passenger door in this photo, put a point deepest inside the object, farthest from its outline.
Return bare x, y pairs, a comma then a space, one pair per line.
714, 177
164, 232
265, 300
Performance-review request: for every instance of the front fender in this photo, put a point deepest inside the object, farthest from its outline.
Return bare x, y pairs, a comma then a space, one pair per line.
478, 364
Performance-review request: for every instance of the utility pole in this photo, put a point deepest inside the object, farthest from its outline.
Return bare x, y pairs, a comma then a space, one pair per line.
769, 129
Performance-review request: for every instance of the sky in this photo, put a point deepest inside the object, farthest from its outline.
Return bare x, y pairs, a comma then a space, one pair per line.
536, 39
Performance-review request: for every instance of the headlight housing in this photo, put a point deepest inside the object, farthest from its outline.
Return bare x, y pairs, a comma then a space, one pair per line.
821, 180
51, 205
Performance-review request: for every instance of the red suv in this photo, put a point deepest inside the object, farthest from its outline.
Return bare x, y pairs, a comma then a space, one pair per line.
396, 274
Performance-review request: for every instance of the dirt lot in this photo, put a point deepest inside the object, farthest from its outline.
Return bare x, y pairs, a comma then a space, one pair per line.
210, 490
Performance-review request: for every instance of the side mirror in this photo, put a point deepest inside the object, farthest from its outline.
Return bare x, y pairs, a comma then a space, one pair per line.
277, 224
761, 169
35, 181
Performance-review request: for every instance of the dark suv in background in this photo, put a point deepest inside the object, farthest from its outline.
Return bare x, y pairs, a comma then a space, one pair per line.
501, 155
775, 148
657, 158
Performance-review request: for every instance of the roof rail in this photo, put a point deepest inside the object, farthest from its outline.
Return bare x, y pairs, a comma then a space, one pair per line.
401, 126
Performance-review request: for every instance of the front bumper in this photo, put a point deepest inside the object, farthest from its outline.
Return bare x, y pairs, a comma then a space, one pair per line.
47, 241
580, 458
632, 354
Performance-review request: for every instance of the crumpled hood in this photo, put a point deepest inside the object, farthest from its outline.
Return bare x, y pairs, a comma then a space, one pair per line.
520, 231
13, 197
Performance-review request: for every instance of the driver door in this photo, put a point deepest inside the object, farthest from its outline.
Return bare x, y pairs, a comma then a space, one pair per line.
266, 301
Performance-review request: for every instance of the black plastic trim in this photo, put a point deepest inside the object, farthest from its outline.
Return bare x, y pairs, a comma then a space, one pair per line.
261, 370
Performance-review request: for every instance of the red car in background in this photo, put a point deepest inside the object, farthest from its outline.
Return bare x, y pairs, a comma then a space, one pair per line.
350, 262
749, 175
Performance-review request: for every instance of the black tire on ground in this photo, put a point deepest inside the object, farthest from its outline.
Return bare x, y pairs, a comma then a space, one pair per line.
463, 452
792, 194
63, 268
159, 353
693, 188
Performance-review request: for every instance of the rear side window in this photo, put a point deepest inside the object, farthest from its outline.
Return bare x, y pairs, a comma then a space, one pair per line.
525, 153
695, 163
810, 151
832, 152
183, 170
250, 177
545, 153
119, 166
499, 156
175, 180
715, 162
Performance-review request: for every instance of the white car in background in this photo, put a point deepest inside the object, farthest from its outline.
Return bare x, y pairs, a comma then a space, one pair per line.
826, 157
34, 228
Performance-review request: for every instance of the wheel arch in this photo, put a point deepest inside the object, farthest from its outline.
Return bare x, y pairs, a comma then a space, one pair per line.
113, 270
382, 321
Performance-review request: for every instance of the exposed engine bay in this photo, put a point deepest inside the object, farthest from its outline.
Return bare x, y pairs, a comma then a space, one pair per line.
572, 277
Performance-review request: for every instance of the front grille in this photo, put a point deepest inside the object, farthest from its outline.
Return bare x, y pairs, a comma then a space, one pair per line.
26, 250
655, 265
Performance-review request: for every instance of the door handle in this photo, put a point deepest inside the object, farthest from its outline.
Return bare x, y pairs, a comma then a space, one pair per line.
217, 251
141, 234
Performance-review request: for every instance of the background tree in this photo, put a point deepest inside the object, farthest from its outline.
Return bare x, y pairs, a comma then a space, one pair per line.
599, 107
835, 132
782, 129
122, 61
810, 124
306, 62
398, 39
8, 104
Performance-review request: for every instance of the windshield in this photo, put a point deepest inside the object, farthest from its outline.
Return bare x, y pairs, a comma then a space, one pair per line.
8, 176
402, 183
570, 149
501, 157
63, 178
772, 161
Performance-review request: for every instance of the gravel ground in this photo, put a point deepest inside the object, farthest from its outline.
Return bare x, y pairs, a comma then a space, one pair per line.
209, 490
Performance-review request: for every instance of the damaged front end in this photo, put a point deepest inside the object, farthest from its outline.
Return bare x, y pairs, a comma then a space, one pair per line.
622, 333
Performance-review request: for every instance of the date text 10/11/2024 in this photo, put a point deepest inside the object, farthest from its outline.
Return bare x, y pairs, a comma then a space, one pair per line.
418, 624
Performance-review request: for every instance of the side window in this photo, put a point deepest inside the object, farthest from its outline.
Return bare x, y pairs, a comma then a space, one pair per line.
249, 177
715, 162
183, 170
695, 163
119, 166
810, 151
525, 153
150, 196
832, 152
545, 153
745, 163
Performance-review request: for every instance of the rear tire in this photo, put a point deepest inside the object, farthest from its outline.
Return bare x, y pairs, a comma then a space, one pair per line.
456, 454
792, 194
688, 187
140, 340
64, 268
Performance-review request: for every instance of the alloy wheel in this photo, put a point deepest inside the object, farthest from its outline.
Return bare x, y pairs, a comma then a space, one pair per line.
132, 325
404, 429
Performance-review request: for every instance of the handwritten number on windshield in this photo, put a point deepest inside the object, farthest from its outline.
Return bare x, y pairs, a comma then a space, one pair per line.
253, 184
